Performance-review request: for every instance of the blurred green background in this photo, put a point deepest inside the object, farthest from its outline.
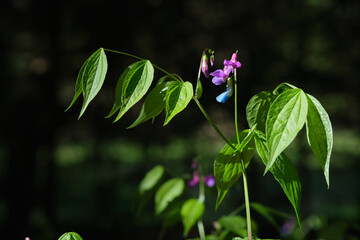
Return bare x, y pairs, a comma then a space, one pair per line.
60, 174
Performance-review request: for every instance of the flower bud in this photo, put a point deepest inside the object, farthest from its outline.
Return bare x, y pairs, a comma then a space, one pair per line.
204, 65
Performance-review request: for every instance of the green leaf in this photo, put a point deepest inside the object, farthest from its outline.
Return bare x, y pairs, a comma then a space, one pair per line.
151, 179
283, 87
265, 212
257, 109
118, 91
283, 171
91, 77
286, 117
319, 134
235, 224
199, 89
70, 236
153, 105
132, 86
240, 147
191, 211
78, 84
228, 166
167, 192
178, 96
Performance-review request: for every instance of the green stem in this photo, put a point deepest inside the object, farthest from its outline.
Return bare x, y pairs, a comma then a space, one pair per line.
139, 58
236, 115
213, 124
201, 230
201, 198
247, 203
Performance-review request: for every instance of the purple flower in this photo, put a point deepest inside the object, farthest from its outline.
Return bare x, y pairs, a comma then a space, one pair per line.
194, 180
205, 65
233, 62
209, 180
219, 77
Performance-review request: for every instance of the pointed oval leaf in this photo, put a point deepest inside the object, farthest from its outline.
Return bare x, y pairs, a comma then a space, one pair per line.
78, 84
198, 89
167, 192
178, 97
319, 134
191, 211
70, 236
118, 91
151, 179
283, 171
257, 109
92, 77
286, 117
134, 85
235, 224
228, 166
153, 105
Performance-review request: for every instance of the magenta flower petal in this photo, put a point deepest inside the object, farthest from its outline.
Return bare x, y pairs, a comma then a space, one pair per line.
205, 65
209, 180
195, 179
219, 77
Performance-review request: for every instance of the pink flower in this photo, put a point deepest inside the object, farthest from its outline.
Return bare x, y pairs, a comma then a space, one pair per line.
194, 180
221, 75
205, 65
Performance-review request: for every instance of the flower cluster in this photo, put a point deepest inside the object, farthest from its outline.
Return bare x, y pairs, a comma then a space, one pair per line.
209, 180
221, 76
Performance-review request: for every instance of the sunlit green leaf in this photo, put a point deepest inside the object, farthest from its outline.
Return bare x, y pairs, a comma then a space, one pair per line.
178, 96
70, 236
199, 89
132, 86
257, 109
319, 134
78, 84
228, 166
151, 179
153, 105
90, 78
286, 117
167, 192
118, 91
191, 211
283, 171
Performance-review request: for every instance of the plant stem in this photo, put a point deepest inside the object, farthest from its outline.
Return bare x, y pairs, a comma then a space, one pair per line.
236, 115
201, 198
200, 226
213, 124
139, 58
247, 203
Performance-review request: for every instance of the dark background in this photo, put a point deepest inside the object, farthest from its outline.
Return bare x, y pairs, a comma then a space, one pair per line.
60, 174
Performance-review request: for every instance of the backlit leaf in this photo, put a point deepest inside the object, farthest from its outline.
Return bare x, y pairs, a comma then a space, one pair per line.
90, 78
167, 192
178, 96
151, 179
283, 171
191, 211
153, 105
257, 109
319, 134
286, 117
70, 236
228, 166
